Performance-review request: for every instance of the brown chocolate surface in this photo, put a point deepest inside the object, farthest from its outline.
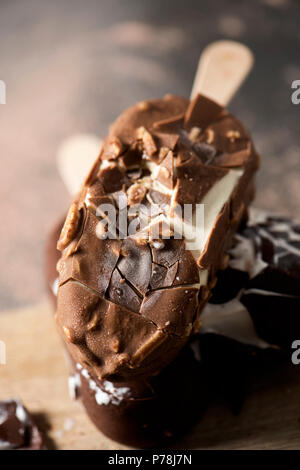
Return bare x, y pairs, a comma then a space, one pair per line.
127, 306
146, 413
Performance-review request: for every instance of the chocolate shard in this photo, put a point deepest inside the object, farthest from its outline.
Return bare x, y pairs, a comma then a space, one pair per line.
194, 179
149, 144
112, 148
187, 270
171, 125
169, 254
120, 292
201, 112
17, 428
172, 309
135, 264
132, 157
165, 174
94, 260
112, 178
162, 276
168, 141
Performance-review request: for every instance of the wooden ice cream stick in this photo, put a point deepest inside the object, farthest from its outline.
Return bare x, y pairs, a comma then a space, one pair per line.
75, 157
223, 66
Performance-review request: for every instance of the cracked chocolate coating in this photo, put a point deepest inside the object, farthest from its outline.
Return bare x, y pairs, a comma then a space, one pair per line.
127, 307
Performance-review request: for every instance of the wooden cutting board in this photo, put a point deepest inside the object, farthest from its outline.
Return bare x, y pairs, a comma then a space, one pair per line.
36, 371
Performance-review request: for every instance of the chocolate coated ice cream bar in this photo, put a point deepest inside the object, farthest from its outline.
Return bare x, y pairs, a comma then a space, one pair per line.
129, 301
237, 337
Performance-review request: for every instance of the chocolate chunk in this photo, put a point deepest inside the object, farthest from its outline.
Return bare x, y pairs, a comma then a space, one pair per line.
132, 157
171, 125
120, 292
165, 174
149, 144
173, 253
162, 276
194, 179
112, 178
112, 149
187, 271
158, 276
201, 112
17, 428
169, 254
168, 141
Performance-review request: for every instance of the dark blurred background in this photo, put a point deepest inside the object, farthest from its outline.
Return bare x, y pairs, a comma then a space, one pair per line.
72, 66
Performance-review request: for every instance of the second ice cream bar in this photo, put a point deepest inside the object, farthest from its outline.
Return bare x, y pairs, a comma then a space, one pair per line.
128, 300
257, 300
